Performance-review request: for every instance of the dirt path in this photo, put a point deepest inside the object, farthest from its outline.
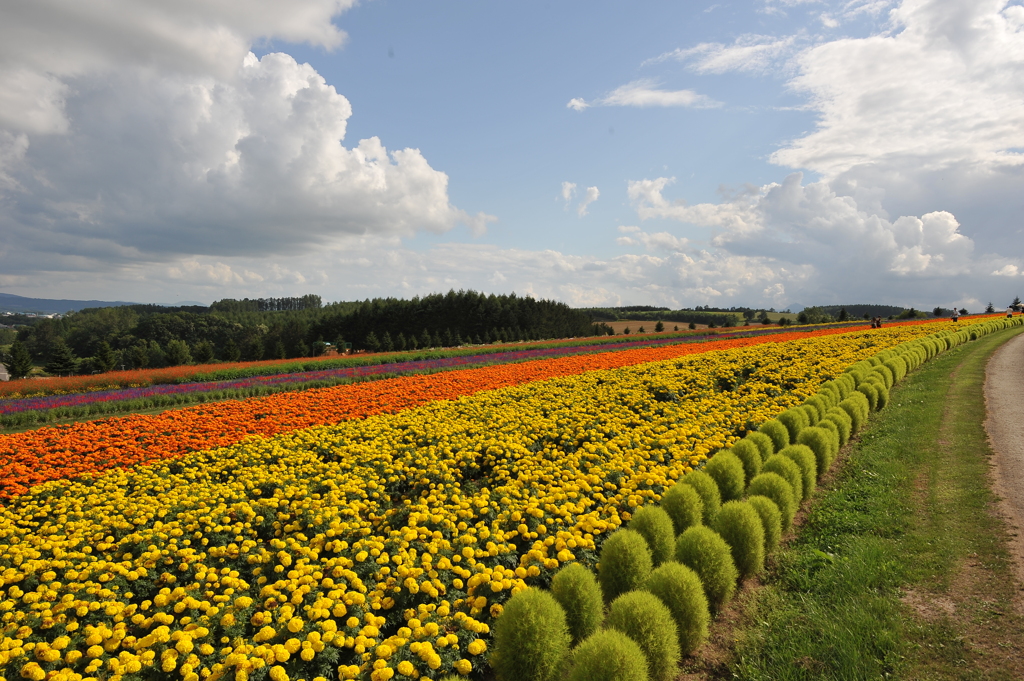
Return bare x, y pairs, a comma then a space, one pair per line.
1004, 403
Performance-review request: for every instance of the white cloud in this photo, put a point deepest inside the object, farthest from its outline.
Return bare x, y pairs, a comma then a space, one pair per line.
592, 195
944, 87
568, 191
750, 53
838, 247
139, 131
645, 93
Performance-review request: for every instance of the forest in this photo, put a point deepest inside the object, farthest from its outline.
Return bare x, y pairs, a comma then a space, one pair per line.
139, 336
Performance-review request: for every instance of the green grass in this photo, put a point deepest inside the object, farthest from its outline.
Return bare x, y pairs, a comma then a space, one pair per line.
909, 515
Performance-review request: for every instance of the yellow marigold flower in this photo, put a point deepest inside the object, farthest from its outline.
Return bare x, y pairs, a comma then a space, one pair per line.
477, 646
277, 673
463, 666
405, 668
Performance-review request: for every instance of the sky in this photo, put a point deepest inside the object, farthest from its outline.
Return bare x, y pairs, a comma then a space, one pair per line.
770, 153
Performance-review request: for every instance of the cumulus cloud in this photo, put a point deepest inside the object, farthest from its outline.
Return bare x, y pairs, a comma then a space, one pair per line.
142, 131
592, 195
646, 92
836, 244
944, 87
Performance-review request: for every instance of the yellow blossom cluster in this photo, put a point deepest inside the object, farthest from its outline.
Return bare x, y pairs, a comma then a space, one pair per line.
375, 549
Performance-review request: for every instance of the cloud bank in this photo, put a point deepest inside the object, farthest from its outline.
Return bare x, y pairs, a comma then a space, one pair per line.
147, 131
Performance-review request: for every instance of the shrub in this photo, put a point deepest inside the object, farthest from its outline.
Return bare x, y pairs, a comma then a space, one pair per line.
750, 456
645, 619
727, 471
854, 408
779, 434
778, 489
771, 520
655, 525
870, 391
576, 590
707, 488
811, 412
680, 589
740, 526
898, 367
609, 655
842, 422
822, 442
625, 563
803, 456
683, 505
820, 403
763, 442
794, 420
846, 385
880, 389
884, 373
531, 638
788, 469
833, 434
706, 553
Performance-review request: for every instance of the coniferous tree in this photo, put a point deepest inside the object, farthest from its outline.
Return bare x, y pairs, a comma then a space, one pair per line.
229, 352
104, 359
989, 309
386, 344
843, 316
372, 342
62, 360
18, 361
400, 342
203, 352
659, 327
254, 350
426, 340
178, 353
279, 350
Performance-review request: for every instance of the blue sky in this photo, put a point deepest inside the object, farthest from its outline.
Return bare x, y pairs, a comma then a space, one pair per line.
766, 153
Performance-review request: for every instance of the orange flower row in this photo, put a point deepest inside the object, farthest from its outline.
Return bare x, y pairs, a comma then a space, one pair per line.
54, 453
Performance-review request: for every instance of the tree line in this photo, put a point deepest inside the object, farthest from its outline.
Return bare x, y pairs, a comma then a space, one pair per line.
141, 336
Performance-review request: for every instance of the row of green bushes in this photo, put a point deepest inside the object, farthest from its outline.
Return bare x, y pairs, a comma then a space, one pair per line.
661, 578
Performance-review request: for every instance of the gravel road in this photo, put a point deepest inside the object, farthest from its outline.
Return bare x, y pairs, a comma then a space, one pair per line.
1004, 402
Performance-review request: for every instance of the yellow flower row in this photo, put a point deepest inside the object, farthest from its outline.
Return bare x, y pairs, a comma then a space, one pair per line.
380, 548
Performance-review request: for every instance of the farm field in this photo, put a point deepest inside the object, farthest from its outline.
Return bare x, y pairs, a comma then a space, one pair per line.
379, 530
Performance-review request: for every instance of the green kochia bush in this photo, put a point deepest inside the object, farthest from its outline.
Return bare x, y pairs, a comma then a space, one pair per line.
655, 525
884, 373
820, 403
707, 554
684, 505
779, 434
812, 438
803, 456
856, 407
644, 618
870, 391
842, 422
727, 471
794, 420
577, 591
707, 488
609, 655
787, 468
846, 384
778, 489
531, 638
740, 526
625, 563
750, 455
880, 389
771, 520
811, 412
679, 588
763, 442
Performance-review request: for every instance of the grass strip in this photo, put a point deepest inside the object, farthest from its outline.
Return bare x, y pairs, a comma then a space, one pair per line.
901, 569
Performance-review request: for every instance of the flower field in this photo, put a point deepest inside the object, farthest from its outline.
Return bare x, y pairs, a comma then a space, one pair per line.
78, 391
52, 453
377, 547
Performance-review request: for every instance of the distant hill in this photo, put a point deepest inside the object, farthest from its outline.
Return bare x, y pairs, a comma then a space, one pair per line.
12, 303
